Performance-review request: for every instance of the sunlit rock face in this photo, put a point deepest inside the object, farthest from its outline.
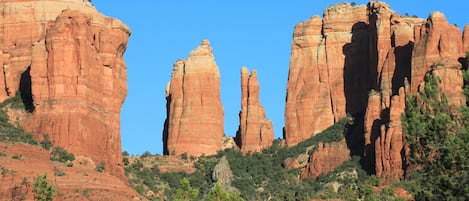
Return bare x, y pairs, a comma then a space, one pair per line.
363, 61
255, 130
194, 124
66, 58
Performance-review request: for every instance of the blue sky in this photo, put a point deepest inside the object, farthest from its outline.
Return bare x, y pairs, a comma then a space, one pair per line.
256, 34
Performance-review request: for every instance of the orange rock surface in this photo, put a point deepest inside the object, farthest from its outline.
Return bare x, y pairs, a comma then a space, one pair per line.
326, 158
255, 130
466, 38
329, 74
194, 124
363, 60
67, 60
389, 146
73, 183
439, 41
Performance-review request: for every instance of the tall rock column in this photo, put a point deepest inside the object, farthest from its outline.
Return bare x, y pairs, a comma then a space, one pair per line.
194, 124
329, 74
66, 58
255, 130
389, 145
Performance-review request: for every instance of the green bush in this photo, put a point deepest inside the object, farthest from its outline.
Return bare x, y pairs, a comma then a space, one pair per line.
217, 194
46, 143
185, 192
100, 168
43, 191
61, 155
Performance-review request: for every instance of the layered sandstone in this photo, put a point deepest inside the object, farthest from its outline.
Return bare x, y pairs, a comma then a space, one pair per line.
194, 123
363, 61
255, 130
66, 58
439, 49
329, 74
326, 158
389, 145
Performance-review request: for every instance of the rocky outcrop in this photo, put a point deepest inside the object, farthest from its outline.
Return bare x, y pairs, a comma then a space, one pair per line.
67, 60
329, 73
255, 130
194, 123
223, 175
439, 49
326, 158
389, 145
363, 60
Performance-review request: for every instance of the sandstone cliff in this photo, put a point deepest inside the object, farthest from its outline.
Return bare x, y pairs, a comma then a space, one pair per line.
194, 123
363, 60
255, 130
329, 74
67, 60
326, 158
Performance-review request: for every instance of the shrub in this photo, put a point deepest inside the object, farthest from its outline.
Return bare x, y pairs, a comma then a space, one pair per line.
100, 168
46, 143
146, 154
217, 194
61, 155
43, 191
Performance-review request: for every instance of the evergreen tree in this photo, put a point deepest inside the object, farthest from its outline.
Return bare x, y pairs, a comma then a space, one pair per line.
185, 192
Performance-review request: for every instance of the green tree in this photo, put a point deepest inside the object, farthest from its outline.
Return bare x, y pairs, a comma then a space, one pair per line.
217, 194
44, 191
437, 135
185, 192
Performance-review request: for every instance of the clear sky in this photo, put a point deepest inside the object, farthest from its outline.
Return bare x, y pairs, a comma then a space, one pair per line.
256, 34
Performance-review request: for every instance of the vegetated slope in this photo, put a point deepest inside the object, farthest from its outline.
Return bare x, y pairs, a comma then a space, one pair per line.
23, 160
257, 176
437, 135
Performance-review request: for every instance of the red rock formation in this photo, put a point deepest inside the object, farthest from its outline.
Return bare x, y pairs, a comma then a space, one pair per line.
328, 72
326, 158
195, 113
466, 38
371, 125
389, 146
380, 50
255, 130
438, 41
67, 60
